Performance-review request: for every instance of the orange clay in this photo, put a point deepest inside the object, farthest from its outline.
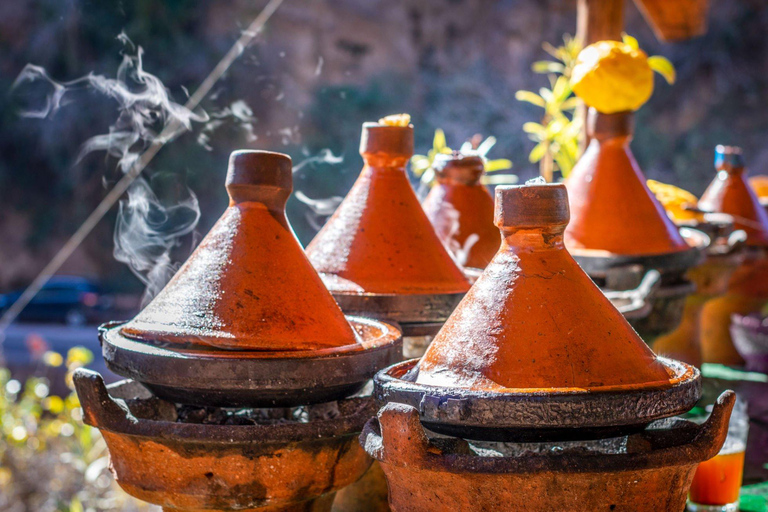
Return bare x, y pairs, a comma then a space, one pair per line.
379, 240
760, 185
612, 208
683, 343
717, 481
711, 279
534, 319
459, 207
248, 285
730, 193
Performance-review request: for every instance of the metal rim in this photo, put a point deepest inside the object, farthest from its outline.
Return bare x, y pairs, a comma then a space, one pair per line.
197, 376
488, 413
597, 263
415, 309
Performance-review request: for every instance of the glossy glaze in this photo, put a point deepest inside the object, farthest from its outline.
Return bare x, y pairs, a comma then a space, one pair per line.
379, 240
461, 210
248, 285
612, 208
534, 319
731, 193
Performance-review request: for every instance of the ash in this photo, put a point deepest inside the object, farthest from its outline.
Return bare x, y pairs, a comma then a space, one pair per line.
266, 416
611, 446
155, 409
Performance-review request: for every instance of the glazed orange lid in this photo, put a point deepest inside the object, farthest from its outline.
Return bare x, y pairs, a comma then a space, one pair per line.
379, 240
534, 320
730, 193
461, 209
612, 208
249, 284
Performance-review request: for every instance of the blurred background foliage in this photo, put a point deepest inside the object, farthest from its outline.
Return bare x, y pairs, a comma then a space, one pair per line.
50, 461
320, 69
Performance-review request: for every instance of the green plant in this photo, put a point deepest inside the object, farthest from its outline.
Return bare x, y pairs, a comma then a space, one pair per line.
50, 461
557, 134
421, 165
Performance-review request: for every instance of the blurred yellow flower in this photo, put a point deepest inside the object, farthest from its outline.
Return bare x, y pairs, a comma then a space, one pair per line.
396, 120
617, 76
676, 202
54, 359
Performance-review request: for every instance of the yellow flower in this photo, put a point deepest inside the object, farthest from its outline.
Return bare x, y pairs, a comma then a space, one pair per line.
617, 76
676, 202
396, 120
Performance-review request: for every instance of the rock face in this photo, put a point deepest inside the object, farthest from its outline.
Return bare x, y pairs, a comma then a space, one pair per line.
320, 69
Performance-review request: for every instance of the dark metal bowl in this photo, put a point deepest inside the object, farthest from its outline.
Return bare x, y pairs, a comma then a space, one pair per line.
521, 415
198, 375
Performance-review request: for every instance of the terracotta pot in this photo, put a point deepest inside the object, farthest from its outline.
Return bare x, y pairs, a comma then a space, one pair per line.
247, 321
612, 209
248, 285
711, 280
286, 466
730, 193
461, 209
534, 334
427, 474
534, 319
677, 20
379, 240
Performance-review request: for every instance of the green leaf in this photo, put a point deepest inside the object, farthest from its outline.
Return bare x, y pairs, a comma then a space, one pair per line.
562, 89
538, 152
664, 67
570, 103
439, 142
530, 97
547, 66
500, 164
499, 179
630, 41
531, 127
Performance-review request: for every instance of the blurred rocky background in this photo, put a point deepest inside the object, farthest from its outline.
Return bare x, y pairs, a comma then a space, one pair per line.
320, 69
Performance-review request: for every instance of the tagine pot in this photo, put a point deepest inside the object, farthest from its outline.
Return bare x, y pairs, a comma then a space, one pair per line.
379, 255
675, 21
619, 231
245, 330
461, 209
537, 394
747, 291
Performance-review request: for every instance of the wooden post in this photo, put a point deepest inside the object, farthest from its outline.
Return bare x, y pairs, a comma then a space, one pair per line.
597, 20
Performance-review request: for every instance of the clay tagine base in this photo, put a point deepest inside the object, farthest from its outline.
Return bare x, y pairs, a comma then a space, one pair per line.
647, 472
275, 466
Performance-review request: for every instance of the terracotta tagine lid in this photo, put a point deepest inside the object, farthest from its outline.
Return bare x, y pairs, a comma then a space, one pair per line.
612, 209
730, 193
461, 209
534, 319
379, 240
249, 284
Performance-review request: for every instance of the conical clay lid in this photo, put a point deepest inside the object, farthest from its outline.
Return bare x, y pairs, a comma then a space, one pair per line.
249, 284
461, 209
379, 240
730, 193
612, 208
534, 319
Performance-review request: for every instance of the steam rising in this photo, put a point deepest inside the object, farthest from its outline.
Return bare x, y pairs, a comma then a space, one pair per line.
319, 209
147, 229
